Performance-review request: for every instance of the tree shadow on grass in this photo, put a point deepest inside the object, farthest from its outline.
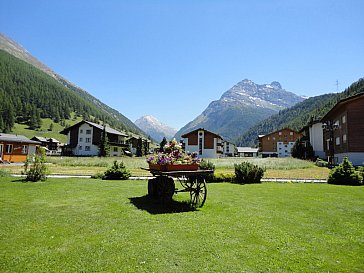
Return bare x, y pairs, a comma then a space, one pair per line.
155, 206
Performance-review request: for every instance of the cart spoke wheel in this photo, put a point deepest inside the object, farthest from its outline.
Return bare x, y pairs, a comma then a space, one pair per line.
186, 182
198, 192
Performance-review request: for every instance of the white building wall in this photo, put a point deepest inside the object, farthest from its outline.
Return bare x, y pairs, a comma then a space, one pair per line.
206, 153
356, 158
229, 148
284, 150
85, 146
118, 152
317, 139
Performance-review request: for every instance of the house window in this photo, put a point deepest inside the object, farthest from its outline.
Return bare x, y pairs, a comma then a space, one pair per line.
9, 148
81, 139
81, 131
88, 139
227, 148
343, 119
87, 148
337, 123
344, 138
200, 146
115, 149
24, 149
268, 138
337, 141
88, 132
280, 133
291, 133
274, 138
80, 147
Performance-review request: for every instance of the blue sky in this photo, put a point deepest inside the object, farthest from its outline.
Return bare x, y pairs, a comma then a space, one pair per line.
171, 58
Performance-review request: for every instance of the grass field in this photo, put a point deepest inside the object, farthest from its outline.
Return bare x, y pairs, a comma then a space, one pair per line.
276, 167
75, 225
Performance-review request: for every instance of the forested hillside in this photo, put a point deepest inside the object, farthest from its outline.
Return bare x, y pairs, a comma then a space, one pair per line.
299, 115
27, 95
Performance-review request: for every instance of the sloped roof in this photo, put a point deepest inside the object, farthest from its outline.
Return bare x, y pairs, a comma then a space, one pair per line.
200, 129
45, 139
17, 138
340, 104
99, 126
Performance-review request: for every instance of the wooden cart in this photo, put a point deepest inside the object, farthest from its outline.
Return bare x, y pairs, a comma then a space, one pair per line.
162, 186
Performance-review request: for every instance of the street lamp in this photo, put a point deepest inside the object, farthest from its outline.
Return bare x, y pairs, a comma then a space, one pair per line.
331, 126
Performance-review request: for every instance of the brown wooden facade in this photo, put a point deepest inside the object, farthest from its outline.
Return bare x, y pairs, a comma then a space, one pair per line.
16, 148
270, 144
204, 143
344, 129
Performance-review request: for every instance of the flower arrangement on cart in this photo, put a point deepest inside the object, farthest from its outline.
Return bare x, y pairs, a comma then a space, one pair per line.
173, 158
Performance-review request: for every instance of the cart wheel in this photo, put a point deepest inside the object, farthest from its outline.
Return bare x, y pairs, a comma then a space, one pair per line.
186, 182
198, 192
165, 188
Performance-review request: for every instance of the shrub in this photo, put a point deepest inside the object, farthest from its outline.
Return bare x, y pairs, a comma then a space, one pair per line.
117, 172
208, 165
345, 174
35, 168
248, 173
321, 163
222, 177
98, 176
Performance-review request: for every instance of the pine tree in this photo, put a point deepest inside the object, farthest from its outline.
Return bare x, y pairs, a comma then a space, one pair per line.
51, 127
164, 142
139, 148
104, 145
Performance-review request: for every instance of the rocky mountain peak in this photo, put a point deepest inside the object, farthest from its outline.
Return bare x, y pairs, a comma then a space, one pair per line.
276, 85
156, 129
271, 96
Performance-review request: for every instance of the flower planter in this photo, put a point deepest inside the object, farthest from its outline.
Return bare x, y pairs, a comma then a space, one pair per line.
182, 167
156, 167
171, 168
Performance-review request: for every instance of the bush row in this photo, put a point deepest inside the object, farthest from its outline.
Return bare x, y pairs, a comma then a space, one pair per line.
245, 173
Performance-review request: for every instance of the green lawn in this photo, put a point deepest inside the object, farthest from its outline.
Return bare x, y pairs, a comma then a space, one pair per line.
85, 225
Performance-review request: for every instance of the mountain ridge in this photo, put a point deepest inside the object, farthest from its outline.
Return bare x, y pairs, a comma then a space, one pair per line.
240, 107
115, 117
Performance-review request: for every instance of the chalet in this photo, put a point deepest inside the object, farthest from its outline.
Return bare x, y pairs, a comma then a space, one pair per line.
247, 152
16, 148
133, 143
278, 143
228, 148
344, 130
313, 133
206, 144
52, 144
84, 138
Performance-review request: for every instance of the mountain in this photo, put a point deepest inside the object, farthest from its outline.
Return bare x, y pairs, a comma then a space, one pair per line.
241, 107
297, 116
154, 128
30, 89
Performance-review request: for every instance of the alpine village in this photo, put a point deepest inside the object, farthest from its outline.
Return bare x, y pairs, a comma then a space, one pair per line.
257, 156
